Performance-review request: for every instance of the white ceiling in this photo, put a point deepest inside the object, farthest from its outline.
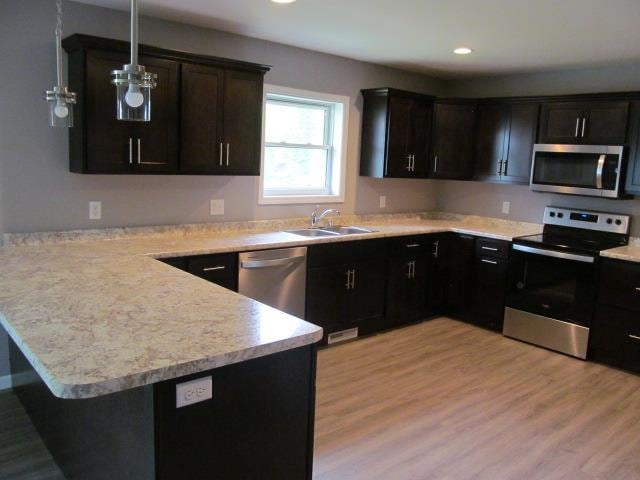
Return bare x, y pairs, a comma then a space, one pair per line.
508, 36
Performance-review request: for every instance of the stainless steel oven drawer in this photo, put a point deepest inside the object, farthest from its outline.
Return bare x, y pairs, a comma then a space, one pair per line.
546, 332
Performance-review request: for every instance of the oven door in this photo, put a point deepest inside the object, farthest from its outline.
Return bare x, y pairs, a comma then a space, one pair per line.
552, 284
577, 169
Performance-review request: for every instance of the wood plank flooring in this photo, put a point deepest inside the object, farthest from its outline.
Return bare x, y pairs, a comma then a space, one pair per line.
448, 401
439, 400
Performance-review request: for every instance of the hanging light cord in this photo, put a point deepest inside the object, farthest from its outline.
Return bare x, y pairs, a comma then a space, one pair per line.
59, 42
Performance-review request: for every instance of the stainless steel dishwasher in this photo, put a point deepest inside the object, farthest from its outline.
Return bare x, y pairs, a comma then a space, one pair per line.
275, 277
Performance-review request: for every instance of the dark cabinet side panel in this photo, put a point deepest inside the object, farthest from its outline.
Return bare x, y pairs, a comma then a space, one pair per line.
399, 140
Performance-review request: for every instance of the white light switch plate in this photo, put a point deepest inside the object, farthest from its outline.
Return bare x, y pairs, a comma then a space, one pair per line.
217, 206
383, 201
95, 210
195, 391
506, 207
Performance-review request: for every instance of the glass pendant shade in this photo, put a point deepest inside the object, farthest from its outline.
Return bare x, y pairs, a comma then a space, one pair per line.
61, 103
133, 98
133, 83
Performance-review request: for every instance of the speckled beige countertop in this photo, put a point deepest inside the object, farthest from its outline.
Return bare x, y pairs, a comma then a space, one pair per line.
630, 253
96, 316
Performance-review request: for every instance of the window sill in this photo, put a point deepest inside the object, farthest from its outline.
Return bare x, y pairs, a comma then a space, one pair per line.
301, 200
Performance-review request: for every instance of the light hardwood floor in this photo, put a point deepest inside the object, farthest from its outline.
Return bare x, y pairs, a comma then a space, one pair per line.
440, 400
444, 400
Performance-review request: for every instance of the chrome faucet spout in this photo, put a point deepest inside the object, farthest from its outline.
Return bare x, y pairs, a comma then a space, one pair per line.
315, 218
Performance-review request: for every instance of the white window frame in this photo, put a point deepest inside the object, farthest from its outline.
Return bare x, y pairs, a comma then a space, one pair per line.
335, 144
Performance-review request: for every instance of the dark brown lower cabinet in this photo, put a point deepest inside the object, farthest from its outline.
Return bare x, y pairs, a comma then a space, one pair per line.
460, 279
221, 269
615, 337
489, 292
346, 286
407, 272
259, 424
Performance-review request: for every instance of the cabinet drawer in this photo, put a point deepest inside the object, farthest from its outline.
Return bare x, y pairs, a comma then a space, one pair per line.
177, 262
620, 284
221, 269
615, 338
345, 252
410, 245
495, 248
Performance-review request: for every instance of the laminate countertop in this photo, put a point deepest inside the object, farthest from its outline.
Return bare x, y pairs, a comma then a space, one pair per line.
630, 253
99, 316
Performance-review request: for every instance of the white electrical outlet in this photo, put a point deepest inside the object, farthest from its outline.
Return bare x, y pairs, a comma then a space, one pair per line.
506, 207
195, 391
383, 201
95, 210
217, 206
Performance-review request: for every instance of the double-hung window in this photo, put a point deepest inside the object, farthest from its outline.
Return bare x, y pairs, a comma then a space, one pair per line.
304, 154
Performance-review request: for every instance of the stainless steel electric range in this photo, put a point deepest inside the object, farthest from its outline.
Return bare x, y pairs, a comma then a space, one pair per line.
553, 278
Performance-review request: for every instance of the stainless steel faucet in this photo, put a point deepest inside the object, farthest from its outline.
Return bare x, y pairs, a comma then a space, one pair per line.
315, 218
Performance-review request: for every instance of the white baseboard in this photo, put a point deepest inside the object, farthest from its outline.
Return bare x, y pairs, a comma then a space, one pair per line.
5, 382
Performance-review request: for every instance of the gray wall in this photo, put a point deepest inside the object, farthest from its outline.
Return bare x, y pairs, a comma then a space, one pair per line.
486, 199
38, 193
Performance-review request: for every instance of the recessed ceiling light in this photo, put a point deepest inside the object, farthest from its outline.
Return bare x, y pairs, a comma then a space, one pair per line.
283, 1
462, 51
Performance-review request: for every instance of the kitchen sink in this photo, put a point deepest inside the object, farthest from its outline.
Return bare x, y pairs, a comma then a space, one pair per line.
329, 231
313, 232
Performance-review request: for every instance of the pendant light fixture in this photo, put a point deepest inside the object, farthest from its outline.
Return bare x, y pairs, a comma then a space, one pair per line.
60, 99
133, 83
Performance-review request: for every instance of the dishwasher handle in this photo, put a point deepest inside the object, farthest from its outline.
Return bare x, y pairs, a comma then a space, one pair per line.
276, 262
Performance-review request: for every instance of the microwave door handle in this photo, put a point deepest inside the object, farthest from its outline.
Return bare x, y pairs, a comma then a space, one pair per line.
600, 171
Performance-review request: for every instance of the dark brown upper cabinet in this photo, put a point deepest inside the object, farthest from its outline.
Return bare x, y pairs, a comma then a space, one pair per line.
453, 140
396, 130
584, 122
221, 121
505, 134
206, 113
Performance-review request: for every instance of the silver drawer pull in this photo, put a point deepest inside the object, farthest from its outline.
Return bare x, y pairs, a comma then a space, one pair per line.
213, 269
492, 262
637, 289
413, 245
634, 337
491, 249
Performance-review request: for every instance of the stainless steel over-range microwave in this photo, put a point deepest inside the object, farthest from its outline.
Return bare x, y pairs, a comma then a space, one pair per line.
592, 170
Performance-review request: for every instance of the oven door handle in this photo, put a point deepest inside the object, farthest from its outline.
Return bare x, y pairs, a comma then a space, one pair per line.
554, 254
600, 171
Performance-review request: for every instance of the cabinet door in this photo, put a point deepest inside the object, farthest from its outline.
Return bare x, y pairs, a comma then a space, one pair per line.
561, 122
615, 338
399, 137
365, 306
201, 145
437, 273
406, 289
422, 120
460, 281
156, 146
489, 291
242, 122
491, 132
521, 138
325, 298
606, 123
109, 142
453, 141
221, 269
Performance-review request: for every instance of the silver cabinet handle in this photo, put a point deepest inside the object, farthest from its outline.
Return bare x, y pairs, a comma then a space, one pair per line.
491, 249
139, 151
637, 289
492, 262
409, 163
412, 245
221, 148
409, 269
577, 127
584, 123
413, 162
634, 337
213, 269
353, 279
348, 285
437, 249
130, 151
228, 148
435, 164
413, 269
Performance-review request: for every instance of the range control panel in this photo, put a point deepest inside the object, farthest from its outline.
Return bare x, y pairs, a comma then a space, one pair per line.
590, 220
